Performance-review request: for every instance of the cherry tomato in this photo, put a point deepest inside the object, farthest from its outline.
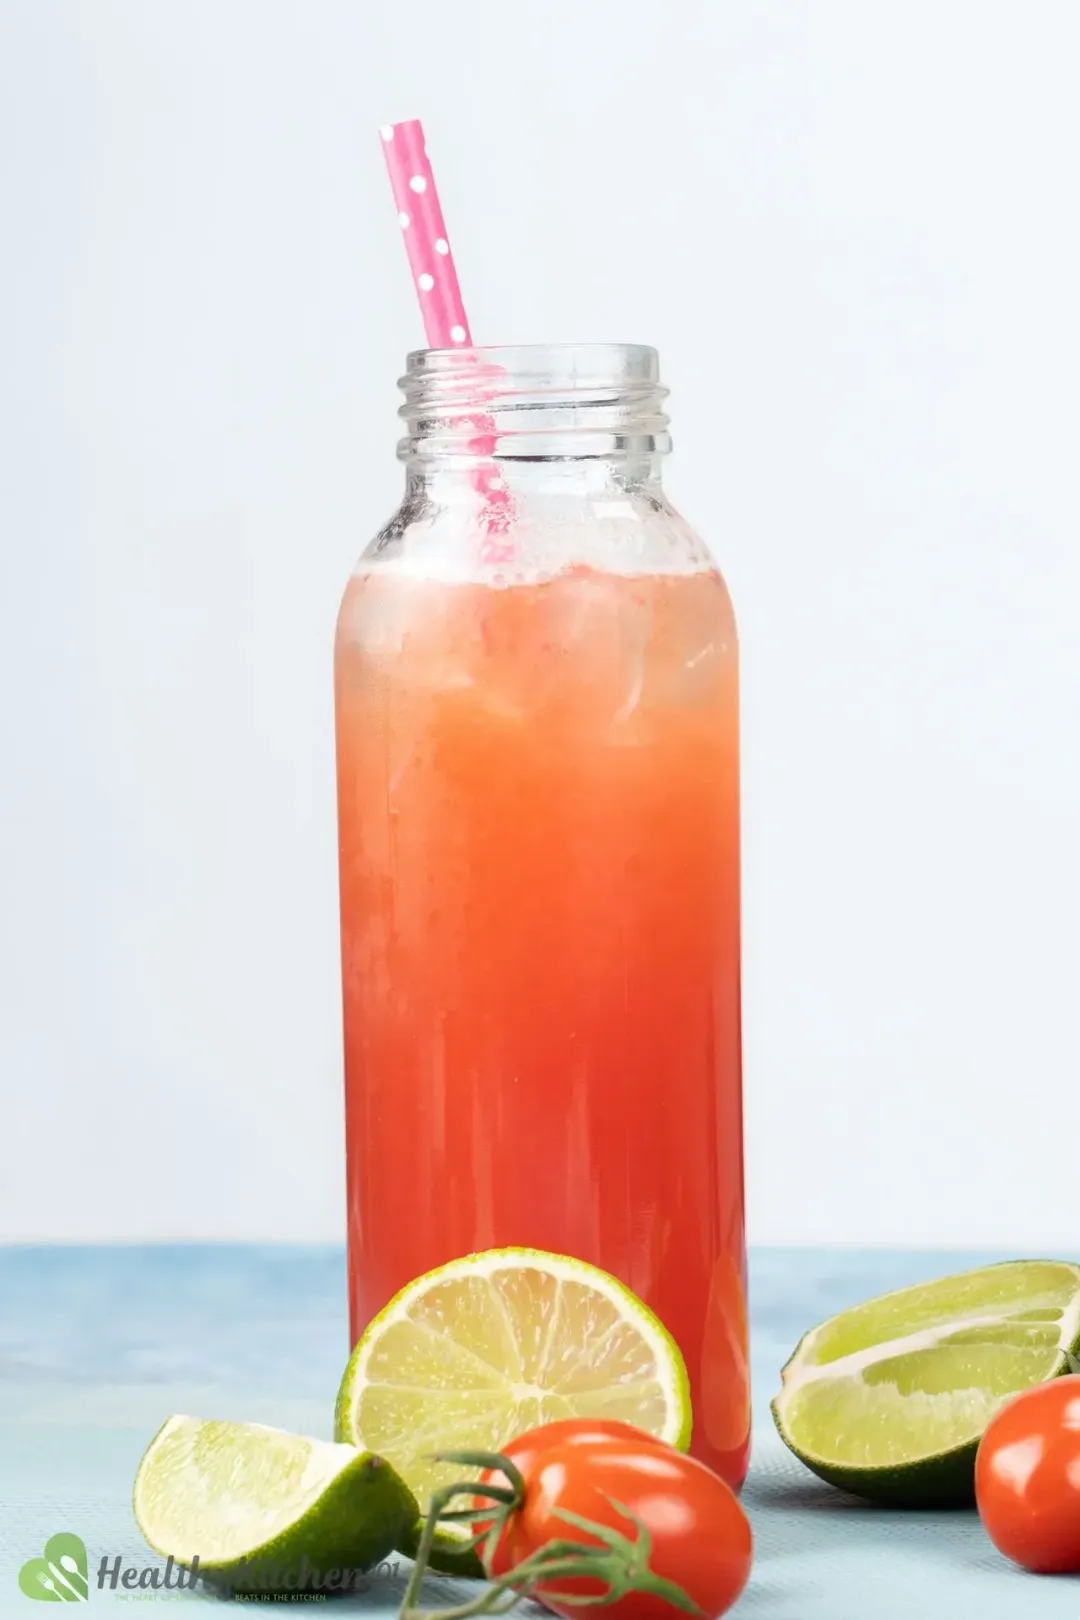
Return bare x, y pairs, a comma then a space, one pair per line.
700, 1535
526, 1448
1027, 1478
571, 1432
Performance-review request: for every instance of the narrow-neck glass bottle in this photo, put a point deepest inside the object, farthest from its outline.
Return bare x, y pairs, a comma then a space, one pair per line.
537, 744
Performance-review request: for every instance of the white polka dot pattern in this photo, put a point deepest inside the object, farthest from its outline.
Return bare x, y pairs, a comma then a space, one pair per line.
424, 234
432, 264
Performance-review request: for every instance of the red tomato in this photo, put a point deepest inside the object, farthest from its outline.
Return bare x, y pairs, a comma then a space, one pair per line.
1027, 1478
700, 1535
526, 1448
569, 1432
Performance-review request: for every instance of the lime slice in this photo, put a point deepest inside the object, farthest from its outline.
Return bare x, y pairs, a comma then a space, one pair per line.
267, 1511
890, 1400
472, 1354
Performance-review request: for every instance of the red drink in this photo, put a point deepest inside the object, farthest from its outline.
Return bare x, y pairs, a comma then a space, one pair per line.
539, 832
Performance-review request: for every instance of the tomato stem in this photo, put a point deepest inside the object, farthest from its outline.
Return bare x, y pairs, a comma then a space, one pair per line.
620, 1563
492, 1460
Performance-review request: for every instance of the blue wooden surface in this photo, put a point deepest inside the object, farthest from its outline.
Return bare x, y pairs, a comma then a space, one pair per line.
99, 1345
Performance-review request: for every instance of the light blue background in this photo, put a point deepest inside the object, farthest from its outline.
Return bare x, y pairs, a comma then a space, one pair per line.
99, 1345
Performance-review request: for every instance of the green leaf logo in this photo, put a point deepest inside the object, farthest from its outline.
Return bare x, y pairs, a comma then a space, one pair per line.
59, 1576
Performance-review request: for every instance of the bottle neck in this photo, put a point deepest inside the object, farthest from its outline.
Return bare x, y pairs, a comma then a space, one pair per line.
475, 480
579, 421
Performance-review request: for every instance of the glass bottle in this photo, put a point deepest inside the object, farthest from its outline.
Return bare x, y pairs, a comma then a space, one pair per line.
537, 749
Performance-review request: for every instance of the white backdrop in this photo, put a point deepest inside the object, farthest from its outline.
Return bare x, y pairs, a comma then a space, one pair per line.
852, 231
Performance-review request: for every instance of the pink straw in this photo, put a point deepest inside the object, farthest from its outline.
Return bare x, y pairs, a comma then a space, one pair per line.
446, 325
426, 242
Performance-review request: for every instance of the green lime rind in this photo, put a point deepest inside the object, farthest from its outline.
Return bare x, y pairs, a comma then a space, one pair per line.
944, 1480
486, 1347
265, 1511
890, 1399
450, 1554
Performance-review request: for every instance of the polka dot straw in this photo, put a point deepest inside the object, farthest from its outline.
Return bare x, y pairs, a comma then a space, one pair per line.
445, 322
424, 233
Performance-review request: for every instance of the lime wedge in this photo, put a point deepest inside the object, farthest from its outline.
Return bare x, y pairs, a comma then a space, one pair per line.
480, 1350
889, 1400
266, 1511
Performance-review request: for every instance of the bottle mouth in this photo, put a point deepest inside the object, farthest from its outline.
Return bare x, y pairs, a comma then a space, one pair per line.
534, 402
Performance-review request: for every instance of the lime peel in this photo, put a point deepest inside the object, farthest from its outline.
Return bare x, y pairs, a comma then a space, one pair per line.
250, 1506
897, 1415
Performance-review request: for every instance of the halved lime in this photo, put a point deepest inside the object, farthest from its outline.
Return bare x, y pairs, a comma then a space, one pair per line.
480, 1350
889, 1400
267, 1511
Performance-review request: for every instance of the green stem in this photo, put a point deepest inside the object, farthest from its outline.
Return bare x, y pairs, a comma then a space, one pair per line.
492, 1460
440, 1500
